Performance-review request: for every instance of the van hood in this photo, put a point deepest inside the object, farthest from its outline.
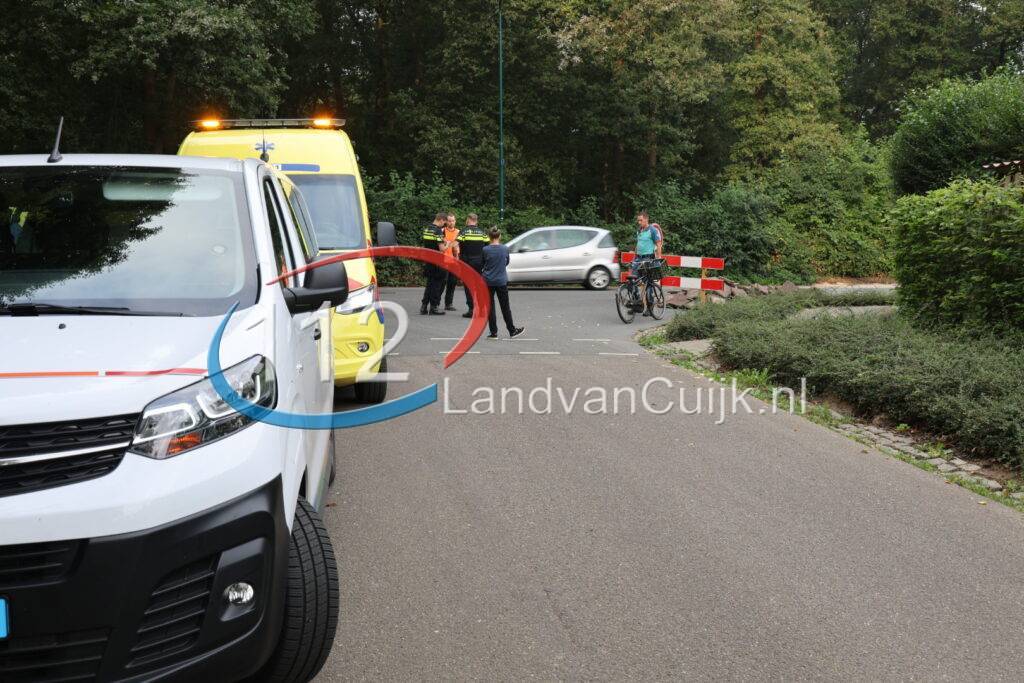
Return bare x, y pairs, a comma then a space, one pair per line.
55, 368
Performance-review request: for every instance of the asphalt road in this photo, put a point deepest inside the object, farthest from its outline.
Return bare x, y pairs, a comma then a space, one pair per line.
606, 546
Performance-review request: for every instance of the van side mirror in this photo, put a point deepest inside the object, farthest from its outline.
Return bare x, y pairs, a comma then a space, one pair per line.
386, 236
325, 283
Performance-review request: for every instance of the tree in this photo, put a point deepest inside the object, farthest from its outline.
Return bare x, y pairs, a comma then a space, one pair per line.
781, 87
888, 49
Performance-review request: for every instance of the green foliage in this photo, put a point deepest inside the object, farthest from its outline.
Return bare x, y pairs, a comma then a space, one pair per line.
954, 128
130, 75
725, 117
960, 256
734, 223
834, 192
781, 85
704, 321
971, 391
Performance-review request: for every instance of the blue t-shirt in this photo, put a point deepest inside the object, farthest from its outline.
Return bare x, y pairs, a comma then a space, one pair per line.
495, 260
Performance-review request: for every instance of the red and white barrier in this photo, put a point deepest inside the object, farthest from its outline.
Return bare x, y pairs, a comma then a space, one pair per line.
704, 284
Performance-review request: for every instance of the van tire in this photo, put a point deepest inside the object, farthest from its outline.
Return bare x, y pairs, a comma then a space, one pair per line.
311, 602
373, 392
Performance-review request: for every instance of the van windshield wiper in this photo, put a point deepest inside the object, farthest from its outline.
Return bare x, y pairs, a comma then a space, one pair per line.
32, 308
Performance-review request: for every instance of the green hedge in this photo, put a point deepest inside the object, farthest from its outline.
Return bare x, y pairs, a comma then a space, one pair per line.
954, 128
971, 391
960, 256
703, 321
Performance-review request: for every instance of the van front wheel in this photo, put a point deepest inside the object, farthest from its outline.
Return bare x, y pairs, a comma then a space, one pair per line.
311, 602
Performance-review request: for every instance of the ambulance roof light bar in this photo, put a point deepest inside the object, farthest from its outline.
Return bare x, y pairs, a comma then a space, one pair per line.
225, 124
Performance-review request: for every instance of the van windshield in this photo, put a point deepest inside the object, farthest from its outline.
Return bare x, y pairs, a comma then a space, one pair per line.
334, 205
164, 240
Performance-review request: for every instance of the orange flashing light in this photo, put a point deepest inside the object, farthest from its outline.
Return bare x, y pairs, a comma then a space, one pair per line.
210, 124
323, 123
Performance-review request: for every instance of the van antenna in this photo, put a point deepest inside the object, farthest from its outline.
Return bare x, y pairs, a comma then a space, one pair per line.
55, 155
265, 155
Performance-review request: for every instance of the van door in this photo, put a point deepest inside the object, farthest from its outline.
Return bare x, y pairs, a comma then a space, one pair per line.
305, 334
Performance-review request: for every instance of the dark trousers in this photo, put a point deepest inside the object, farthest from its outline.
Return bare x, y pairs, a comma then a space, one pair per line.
478, 266
506, 310
435, 285
451, 282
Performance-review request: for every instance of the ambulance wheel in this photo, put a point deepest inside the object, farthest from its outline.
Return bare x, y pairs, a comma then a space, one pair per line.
310, 605
373, 392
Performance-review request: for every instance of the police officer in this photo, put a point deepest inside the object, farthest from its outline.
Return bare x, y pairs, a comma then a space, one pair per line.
433, 239
472, 241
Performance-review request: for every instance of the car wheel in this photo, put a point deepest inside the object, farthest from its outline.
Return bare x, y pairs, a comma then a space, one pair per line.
599, 277
311, 602
373, 392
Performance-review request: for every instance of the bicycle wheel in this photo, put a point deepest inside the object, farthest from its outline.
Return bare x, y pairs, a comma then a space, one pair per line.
656, 301
624, 303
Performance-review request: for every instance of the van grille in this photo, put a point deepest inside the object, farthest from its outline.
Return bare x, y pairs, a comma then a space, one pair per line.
63, 657
36, 562
174, 617
49, 437
44, 455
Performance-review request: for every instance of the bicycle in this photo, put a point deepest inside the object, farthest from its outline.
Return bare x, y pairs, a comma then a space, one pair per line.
628, 301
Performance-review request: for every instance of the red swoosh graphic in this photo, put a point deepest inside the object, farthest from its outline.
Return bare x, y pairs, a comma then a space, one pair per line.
477, 286
102, 373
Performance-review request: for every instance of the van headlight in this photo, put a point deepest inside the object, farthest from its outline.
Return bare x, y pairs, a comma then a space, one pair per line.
359, 300
197, 415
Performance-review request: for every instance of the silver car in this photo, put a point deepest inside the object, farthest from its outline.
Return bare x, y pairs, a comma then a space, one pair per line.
565, 253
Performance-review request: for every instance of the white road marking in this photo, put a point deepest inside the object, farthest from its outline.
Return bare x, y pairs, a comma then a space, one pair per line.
592, 340
608, 353
540, 353
445, 338
444, 353
520, 339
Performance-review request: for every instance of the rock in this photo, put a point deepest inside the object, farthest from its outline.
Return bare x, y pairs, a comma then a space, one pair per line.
947, 467
937, 461
762, 290
788, 287
958, 462
1017, 496
990, 484
678, 300
970, 469
739, 292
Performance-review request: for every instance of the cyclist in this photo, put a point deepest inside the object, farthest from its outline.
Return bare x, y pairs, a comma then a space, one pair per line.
648, 248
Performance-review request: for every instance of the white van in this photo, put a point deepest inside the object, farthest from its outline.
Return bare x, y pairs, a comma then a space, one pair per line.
147, 530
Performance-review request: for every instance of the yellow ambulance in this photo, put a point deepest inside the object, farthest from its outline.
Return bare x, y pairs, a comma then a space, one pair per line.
317, 156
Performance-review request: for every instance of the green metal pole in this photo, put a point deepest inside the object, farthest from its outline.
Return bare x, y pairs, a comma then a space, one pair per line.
501, 115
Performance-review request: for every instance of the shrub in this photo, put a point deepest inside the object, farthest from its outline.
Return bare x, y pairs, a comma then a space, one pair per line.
954, 128
735, 222
703, 321
960, 256
971, 391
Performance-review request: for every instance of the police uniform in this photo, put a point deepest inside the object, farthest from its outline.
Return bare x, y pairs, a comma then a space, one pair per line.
432, 235
472, 241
